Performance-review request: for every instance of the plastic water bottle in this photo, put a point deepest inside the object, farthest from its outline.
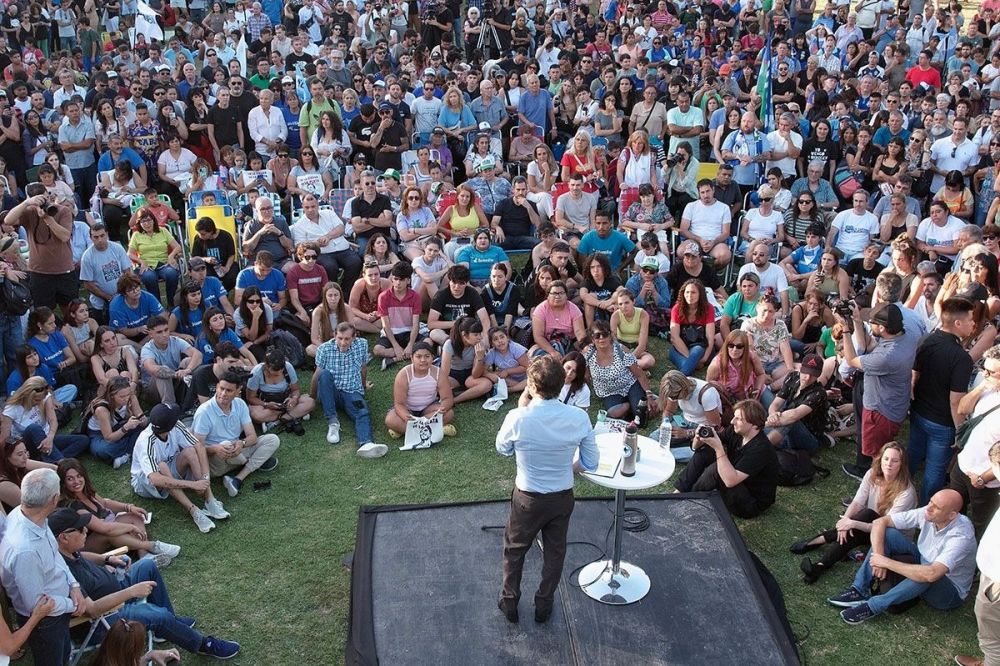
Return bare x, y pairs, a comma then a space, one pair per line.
666, 432
601, 426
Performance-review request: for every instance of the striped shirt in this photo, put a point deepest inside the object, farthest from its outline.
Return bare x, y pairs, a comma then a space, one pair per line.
150, 450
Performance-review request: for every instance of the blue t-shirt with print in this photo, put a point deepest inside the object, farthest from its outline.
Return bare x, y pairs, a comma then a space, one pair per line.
50, 352
121, 315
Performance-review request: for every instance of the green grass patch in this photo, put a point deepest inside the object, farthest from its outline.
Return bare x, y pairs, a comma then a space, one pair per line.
271, 576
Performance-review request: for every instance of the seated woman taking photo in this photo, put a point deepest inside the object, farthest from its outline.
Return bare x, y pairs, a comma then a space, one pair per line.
420, 389
687, 403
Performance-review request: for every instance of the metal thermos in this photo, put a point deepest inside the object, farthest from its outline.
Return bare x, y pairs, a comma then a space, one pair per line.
630, 450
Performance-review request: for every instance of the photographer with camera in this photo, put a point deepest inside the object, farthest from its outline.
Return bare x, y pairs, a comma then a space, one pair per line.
680, 176
740, 463
49, 226
887, 368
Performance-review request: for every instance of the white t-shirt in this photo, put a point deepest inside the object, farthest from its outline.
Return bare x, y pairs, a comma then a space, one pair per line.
180, 167
933, 235
149, 450
855, 231
780, 144
693, 410
305, 230
580, 399
22, 419
763, 226
772, 276
707, 221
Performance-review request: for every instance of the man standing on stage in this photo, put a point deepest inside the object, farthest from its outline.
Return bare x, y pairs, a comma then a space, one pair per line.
545, 434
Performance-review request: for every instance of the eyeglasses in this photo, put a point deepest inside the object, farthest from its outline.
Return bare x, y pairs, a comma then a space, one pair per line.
599, 335
413, 198
251, 301
805, 202
766, 199
736, 345
915, 139
557, 293
989, 237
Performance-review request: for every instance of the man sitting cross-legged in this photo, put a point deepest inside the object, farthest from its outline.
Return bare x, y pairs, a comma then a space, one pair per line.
143, 591
223, 426
167, 463
944, 560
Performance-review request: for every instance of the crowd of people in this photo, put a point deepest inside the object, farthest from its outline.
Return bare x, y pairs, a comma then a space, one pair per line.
799, 199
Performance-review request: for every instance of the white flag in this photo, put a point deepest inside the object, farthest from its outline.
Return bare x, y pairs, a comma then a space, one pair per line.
241, 54
145, 10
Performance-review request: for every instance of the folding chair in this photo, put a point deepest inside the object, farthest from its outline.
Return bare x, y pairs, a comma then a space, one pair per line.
78, 650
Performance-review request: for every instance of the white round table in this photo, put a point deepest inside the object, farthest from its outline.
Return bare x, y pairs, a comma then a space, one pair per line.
612, 581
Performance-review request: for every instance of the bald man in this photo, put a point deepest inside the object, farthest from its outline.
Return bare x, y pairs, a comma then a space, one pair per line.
943, 560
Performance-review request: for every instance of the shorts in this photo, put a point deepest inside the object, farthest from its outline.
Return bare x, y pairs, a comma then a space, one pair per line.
402, 339
142, 486
460, 375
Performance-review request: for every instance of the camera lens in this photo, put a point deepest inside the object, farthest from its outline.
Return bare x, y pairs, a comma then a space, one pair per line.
705, 431
51, 210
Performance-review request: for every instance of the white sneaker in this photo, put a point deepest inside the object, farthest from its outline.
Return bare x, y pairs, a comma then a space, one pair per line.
121, 460
268, 425
202, 520
214, 508
306, 417
372, 450
168, 549
333, 432
162, 560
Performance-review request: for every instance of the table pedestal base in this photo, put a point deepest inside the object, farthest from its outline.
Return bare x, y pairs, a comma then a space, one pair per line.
628, 585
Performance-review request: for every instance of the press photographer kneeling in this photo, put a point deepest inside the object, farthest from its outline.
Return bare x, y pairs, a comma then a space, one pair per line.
741, 464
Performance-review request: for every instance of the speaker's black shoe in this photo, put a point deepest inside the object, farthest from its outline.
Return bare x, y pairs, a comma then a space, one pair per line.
509, 609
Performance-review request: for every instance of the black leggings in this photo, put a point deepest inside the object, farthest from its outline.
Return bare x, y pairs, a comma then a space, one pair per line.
835, 551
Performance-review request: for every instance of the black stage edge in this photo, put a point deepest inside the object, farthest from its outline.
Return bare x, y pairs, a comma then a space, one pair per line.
426, 578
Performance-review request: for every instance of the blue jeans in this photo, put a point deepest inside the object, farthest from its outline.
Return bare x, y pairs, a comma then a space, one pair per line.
65, 394
354, 404
687, 364
519, 243
107, 451
151, 277
157, 613
940, 594
797, 437
930, 443
63, 446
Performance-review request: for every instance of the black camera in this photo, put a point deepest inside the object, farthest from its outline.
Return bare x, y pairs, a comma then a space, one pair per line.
704, 431
839, 305
673, 160
51, 209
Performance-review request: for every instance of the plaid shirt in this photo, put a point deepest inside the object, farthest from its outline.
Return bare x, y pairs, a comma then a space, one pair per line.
256, 23
344, 366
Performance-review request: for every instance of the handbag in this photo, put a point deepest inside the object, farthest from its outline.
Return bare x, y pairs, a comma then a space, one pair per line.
964, 431
15, 298
422, 432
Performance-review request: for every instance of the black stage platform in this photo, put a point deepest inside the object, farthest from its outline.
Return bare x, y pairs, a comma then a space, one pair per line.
425, 582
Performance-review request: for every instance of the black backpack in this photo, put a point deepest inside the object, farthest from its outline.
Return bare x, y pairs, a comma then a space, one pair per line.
15, 298
797, 468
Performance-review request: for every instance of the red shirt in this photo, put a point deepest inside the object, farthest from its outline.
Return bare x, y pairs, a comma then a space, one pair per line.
400, 311
931, 77
308, 284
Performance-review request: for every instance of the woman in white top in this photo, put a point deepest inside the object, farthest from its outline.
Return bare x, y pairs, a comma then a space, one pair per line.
575, 391
764, 224
331, 143
420, 389
543, 171
636, 165
174, 164
885, 489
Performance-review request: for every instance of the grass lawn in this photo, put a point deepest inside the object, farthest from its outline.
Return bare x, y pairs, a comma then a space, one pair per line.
271, 578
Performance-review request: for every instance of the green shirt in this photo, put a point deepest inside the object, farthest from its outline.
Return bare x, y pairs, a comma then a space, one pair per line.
736, 306
260, 82
309, 116
90, 43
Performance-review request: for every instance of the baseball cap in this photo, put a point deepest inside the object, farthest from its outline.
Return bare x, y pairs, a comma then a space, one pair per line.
430, 71
164, 417
889, 316
812, 364
689, 247
488, 164
485, 127
379, 83
650, 262
65, 519
196, 263
385, 106
725, 69
393, 173
438, 130
287, 79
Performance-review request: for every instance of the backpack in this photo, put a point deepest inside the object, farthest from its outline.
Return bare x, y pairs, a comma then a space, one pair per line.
15, 298
294, 352
725, 403
796, 468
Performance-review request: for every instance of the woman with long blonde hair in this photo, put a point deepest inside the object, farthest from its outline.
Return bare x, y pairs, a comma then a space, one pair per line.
543, 172
30, 414
885, 489
579, 158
